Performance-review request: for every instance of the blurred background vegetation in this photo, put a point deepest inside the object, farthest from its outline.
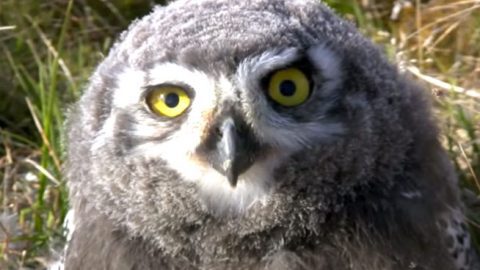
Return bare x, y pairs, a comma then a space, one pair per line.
49, 48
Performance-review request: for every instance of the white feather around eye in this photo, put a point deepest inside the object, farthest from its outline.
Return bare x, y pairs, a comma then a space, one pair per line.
257, 67
274, 128
178, 149
129, 88
328, 63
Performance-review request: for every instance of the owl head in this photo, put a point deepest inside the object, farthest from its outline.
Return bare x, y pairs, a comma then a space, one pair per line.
229, 110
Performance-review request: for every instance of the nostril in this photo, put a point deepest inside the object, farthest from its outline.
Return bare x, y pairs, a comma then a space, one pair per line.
241, 129
224, 127
218, 132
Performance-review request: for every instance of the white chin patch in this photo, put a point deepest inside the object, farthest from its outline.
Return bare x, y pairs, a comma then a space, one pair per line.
220, 198
253, 187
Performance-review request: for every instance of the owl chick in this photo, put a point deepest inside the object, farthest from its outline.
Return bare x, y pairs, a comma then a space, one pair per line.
259, 134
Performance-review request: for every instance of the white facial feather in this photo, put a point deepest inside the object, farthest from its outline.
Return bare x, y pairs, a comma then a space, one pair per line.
253, 186
270, 126
328, 63
127, 93
178, 150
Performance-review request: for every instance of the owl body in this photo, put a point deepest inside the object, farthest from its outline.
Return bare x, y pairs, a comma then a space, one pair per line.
262, 134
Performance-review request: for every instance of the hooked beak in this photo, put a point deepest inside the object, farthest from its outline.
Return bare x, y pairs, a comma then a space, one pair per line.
231, 148
227, 150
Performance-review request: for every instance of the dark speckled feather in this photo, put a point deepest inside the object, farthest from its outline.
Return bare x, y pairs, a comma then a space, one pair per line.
352, 178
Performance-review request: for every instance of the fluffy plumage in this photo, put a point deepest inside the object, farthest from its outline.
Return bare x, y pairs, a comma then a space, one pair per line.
354, 178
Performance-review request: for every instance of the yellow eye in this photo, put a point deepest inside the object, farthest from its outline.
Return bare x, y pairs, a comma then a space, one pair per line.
169, 101
289, 87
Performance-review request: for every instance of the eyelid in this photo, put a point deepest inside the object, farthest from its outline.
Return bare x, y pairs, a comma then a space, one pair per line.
302, 64
187, 88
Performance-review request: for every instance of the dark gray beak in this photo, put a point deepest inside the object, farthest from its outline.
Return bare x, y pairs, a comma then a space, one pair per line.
230, 148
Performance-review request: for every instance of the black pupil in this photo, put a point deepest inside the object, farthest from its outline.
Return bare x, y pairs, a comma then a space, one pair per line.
287, 88
171, 100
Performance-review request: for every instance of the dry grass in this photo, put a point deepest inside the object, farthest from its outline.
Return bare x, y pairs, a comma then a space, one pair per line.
49, 48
